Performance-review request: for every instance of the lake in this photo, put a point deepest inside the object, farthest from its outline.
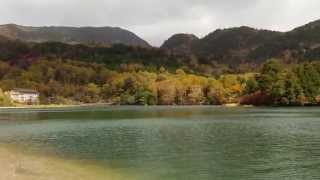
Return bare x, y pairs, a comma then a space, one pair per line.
202, 143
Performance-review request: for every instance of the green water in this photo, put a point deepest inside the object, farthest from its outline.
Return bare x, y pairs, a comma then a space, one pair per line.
201, 143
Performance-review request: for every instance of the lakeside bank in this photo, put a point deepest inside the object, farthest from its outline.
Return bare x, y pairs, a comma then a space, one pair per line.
16, 165
54, 106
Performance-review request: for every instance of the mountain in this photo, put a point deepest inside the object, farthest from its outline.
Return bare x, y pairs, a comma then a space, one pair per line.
221, 49
180, 43
302, 43
307, 34
72, 35
234, 44
248, 45
2, 38
224, 45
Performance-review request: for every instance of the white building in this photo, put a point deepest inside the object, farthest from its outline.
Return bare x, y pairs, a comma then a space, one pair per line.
26, 96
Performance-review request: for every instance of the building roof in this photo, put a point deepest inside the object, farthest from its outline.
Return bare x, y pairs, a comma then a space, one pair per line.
26, 91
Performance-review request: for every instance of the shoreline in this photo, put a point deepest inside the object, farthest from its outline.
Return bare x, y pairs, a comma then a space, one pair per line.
53, 106
112, 105
17, 165
230, 105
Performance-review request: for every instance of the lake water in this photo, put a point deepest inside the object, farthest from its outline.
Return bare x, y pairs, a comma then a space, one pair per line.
186, 143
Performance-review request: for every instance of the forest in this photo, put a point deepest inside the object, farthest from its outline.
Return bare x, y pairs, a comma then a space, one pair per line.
228, 66
120, 74
64, 81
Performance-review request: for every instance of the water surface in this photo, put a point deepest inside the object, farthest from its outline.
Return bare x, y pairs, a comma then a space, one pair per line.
175, 142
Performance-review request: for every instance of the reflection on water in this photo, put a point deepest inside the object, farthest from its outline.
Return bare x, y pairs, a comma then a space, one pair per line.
176, 142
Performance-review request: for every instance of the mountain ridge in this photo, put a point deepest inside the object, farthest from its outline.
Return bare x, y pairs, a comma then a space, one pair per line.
72, 35
230, 46
246, 44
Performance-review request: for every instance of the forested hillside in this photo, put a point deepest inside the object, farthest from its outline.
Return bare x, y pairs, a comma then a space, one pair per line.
72, 82
229, 66
115, 56
72, 35
234, 46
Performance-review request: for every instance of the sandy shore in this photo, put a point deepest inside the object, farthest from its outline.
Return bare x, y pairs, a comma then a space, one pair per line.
19, 166
53, 106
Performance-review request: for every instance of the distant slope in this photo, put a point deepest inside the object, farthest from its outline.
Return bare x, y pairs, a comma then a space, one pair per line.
238, 45
234, 44
302, 43
307, 34
225, 45
230, 47
72, 35
180, 43
2, 38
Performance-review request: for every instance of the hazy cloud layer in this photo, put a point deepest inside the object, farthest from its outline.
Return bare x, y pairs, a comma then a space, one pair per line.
156, 20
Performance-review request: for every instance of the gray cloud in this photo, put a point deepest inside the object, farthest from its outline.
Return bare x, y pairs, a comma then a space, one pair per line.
156, 20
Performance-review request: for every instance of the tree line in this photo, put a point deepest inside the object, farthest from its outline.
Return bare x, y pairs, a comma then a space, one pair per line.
70, 82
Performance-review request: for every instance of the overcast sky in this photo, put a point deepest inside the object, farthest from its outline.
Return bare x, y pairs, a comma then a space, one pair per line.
157, 20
